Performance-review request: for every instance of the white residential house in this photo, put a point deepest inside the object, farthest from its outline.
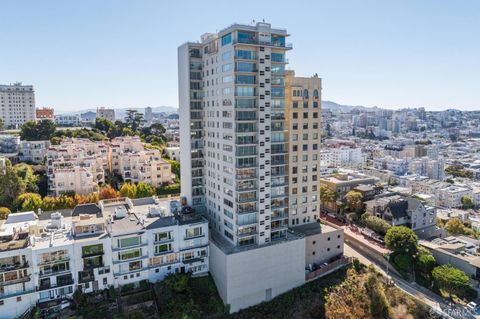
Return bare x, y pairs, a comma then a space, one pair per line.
452, 195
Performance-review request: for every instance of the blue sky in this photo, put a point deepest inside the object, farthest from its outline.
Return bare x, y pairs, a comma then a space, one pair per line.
82, 54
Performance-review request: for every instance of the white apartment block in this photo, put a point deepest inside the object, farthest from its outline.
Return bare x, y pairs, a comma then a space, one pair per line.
9, 146
17, 104
135, 164
342, 156
303, 103
424, 166
67, 120
104, 113
234, 157
114, 243
173, 152
451, 196
33, 151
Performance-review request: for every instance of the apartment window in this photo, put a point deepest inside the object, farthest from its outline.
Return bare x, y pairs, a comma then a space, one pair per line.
128, 242
295, 115
227, 39
129, 254
193, 232
159, 249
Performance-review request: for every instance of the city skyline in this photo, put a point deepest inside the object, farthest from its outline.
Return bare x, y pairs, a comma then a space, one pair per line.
373, 54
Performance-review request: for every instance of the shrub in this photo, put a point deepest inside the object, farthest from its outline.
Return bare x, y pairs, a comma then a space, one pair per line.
4, 212
403, 262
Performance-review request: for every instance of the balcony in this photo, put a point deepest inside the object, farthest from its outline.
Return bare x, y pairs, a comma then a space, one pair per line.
53, 273
119, 261
254, 41
247, 233
246, 199
164, 252
86, 276
60, 283
15, 293
194, 237
15, 281
14, 266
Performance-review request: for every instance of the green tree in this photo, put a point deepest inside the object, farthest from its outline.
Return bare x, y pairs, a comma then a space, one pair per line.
116, 130
425, 264
144, 190
327, 195
37, 130
454, 226
451, 280
128, 190
375, 223
354, 200
11, 186
27, 177
175, 167
134, 119
29, 201
103, 125
4, 212
402, 240
467, 202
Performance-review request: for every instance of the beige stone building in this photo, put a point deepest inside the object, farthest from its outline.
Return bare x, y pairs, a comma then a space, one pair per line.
303, 107
77, 165
135, 164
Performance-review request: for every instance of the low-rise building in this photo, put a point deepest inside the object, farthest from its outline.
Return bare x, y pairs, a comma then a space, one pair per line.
117, 242
135, 164
9, 145
342, 183
33, 151
459, 252
45, 113
452, 195
173, 152
400, 211
67, 120
77, 165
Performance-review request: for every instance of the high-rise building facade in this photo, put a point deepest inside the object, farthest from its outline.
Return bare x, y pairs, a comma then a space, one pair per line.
303, 104
17, 104
235, 165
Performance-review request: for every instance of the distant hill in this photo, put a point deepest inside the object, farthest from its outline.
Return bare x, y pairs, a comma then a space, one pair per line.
120, 113
344, 108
